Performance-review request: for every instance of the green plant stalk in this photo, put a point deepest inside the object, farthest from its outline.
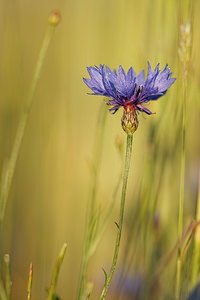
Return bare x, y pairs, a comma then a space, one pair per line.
30, 278
178, 279
181, 202
196, 256
56, 272
123, 197
10, 168
104, 222
182, 185
2, 292
179, 267
182, 178
106, 218
90, 234
97, 157
7, 276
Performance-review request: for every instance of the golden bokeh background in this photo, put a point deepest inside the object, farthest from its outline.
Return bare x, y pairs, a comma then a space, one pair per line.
48, 198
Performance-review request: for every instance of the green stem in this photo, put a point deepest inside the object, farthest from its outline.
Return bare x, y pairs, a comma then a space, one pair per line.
7, 276
181, 196
106, 218
182, 177
56, 272
123, 197
30, 278
10, 168
178, 279
97, 158
2, 292
196, 257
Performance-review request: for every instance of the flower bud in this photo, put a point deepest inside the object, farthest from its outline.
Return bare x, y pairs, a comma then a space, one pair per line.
54, 17
129, 119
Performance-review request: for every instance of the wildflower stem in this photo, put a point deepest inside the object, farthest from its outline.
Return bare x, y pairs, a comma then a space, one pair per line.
7, 175
123, 197
56, 272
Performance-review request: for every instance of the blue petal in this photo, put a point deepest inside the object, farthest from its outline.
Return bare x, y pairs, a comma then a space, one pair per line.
95, 83
95, 77
122, 74
95, 88
125, 83
130, 75
151, 76
165, 84
140, 78
156, 84
108, 84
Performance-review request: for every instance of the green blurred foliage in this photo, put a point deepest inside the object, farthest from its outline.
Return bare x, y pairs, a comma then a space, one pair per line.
48, 198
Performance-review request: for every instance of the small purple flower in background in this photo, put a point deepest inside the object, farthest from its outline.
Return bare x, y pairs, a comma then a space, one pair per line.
129, 90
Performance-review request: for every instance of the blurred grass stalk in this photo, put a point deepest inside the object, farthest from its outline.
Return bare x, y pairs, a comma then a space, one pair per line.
104, 223
5, 292
2, 291
56, 272
92, 217
184, 52
8, 276
196, 256
8, 172
30, 278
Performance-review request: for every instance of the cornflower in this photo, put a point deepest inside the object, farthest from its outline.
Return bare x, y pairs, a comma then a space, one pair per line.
128, 90
132, 93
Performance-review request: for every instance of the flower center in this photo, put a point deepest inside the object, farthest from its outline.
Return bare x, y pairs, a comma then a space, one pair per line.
128, 107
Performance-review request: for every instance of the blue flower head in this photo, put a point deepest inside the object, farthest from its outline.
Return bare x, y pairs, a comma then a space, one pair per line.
128, 90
